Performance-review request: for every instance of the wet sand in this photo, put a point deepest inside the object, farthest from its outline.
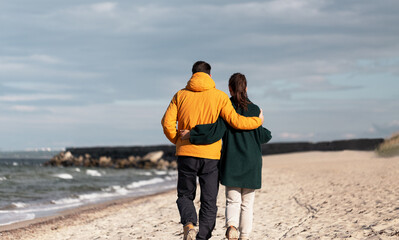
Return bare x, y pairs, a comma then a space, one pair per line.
311, 195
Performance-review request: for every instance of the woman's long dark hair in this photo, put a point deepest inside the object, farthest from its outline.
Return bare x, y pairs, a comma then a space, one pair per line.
238, 86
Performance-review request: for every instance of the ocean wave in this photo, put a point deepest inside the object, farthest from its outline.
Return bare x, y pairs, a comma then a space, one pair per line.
145, 182
117, 189
112, 191
58, 189
160, 172
144, 173
173, 173
95, 196
93, 173
63, 176
86, 198
11, 218
19, 204
14, 206
40, 209
120, 190
66, 201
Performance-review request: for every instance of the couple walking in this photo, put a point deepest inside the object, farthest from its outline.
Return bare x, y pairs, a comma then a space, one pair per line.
204, 116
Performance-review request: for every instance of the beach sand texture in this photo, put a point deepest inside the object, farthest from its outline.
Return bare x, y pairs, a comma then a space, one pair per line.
311, 195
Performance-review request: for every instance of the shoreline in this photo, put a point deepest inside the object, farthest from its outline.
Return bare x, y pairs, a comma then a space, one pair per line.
52, 191
311, 195
73, 213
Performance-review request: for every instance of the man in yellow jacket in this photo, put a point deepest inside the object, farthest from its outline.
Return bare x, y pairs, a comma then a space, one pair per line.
200, 103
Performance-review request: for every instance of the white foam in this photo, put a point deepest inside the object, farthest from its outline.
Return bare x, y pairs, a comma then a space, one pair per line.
77, 169
19, 204
15, 164
3, 178
92, 197
144, 173
93, 173
160, 172
65, 201
145, 182
63, 176
120, 190
95, 196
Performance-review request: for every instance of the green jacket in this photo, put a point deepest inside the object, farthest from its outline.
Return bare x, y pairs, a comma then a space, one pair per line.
241, 161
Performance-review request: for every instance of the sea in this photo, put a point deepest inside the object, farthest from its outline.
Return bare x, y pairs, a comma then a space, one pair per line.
29, 190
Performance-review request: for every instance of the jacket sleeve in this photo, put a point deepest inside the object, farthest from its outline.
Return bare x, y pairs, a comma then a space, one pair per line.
229, 114
169, 121
264, 135
208, 133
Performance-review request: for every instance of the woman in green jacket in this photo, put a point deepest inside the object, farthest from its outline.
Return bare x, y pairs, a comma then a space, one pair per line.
241, 160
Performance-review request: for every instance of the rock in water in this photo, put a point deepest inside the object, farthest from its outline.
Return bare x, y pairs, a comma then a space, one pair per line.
105, 161
67, 156
153, 156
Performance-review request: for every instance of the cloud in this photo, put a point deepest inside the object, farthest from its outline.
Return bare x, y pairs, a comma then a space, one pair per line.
34, 97
277, 9
87, 11
105, 7
44, 58
12, 67
304, 88
34, 58
40, 66
24, 108
38, 87
309, 63
148, 103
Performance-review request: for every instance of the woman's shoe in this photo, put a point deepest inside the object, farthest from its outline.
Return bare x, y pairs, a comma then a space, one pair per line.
232, 233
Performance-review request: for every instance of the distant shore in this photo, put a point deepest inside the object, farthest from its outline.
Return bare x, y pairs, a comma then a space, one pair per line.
163, 157
362, 144
308, 195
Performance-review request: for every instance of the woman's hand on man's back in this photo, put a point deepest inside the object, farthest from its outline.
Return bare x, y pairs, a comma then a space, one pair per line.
261, 115
184, 134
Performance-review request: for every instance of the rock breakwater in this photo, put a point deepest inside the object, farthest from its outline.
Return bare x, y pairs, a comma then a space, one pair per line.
152, 160
163, 156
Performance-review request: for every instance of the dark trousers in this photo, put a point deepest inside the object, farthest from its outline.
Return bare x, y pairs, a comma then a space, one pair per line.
207, 171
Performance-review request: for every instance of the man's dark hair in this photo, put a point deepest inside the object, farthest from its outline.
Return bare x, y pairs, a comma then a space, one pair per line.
201, 66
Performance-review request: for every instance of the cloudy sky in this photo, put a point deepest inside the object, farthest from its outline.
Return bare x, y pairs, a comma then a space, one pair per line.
88, 73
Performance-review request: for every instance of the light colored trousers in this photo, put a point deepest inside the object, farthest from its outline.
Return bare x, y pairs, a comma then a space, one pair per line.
239, 209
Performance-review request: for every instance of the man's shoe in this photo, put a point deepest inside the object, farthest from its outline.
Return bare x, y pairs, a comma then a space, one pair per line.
189, 232
232, 233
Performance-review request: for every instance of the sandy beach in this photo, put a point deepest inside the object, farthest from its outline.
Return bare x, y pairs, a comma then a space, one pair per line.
310, 195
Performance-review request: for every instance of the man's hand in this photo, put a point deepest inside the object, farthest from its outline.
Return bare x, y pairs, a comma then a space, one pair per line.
261, 115
184, 134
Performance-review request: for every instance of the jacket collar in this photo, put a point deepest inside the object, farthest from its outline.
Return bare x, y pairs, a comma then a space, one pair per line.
200, 82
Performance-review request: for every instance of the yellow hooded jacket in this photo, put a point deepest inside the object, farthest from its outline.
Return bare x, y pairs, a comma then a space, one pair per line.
201, 103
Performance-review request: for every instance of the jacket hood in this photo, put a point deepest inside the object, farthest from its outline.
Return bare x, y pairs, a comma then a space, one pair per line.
200, 82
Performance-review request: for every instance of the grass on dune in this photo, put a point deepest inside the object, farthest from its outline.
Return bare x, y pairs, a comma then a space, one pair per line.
390, 147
